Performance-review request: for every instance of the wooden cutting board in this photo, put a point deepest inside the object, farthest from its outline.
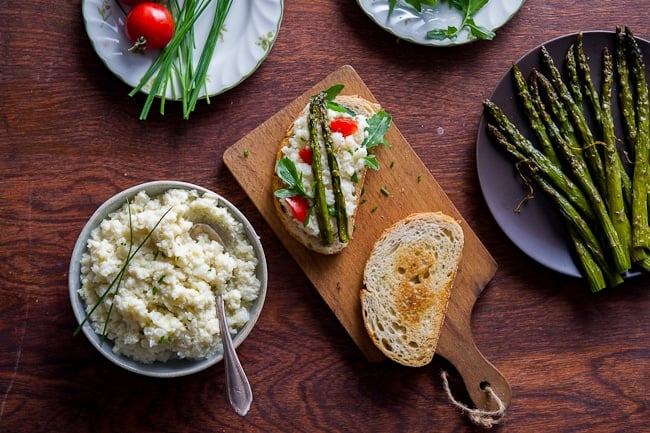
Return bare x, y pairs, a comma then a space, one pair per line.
339, 278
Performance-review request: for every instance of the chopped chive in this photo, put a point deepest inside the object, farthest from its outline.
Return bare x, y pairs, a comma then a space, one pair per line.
117, 280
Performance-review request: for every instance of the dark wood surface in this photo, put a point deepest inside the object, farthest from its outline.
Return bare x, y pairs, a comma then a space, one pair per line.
70, 138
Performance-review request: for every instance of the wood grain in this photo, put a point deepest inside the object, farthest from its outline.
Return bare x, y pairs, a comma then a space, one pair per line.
339, 278
70, 139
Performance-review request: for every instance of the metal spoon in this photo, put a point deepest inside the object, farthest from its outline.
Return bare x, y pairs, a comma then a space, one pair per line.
238, 388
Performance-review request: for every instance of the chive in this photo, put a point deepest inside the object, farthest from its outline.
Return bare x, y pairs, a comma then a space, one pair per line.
246, 153
220, 14
176, 59
117, 280
384, 191
374, 208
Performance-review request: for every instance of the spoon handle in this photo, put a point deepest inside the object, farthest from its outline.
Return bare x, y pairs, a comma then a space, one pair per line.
239, 390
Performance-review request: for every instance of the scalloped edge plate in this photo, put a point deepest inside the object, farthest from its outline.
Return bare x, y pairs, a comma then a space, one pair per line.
238, 53
408, 24
537, 230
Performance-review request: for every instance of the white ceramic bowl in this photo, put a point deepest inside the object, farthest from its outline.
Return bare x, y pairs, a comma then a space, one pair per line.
177, 367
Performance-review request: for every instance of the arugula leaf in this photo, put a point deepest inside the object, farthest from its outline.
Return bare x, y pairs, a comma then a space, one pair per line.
377, 127
468, 8
371, 161
287, 171
417, 4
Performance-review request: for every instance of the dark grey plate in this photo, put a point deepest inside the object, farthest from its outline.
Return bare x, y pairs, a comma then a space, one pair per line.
537, 230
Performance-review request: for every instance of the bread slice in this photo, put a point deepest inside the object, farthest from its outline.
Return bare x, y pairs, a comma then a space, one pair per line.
308, 235
408, 279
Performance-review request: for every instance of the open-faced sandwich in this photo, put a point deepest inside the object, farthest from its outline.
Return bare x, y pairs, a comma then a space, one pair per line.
408, 279
321, 166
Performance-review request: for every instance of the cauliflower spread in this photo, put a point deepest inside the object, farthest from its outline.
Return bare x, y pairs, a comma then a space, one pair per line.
164, 305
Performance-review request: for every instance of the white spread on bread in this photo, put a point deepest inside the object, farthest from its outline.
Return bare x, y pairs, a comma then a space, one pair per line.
350, 155
304, 191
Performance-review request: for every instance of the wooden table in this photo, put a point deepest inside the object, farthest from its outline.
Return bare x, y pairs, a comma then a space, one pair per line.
70, 138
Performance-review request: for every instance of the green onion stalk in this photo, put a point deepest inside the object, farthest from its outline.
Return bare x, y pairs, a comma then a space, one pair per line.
174, 67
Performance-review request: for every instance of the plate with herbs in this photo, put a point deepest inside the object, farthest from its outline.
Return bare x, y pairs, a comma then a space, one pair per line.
245, 39
441, 22
536, 219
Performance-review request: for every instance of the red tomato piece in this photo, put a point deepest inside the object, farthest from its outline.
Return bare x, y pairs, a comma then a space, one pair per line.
149, 26
299, 207
345, 125
306, 154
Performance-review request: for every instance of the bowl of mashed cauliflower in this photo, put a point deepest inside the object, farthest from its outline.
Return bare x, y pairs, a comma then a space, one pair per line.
143, 284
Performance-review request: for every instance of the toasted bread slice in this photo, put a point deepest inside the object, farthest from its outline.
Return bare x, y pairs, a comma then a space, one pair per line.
352, 171
408, 279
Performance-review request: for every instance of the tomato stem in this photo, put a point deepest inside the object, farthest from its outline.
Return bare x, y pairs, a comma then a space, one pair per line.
139, 46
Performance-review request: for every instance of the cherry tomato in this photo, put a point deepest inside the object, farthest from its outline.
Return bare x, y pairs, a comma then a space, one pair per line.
299, 207
149, 26
345, 125
306, 155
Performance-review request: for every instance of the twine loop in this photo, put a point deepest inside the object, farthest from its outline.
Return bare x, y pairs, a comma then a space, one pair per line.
480, 417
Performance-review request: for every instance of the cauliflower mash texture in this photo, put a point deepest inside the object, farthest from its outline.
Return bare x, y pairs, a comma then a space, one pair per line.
164, 306
350, 156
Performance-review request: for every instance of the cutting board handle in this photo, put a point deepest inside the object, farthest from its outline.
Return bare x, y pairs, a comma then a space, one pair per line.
457, 347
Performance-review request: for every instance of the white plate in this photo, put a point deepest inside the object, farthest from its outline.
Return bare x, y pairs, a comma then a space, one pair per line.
407, 23
249, 33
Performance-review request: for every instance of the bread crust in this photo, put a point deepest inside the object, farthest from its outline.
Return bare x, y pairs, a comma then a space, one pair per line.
408, 280
358, 105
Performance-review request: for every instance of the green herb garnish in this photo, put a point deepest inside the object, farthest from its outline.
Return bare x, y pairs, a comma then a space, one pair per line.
174, 66
468, 8
287, 171
377, 127
117, 280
